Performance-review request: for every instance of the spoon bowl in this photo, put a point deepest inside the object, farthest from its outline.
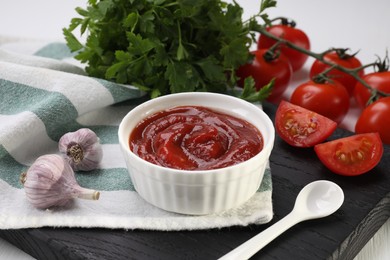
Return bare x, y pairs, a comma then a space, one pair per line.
319, 199
316, 200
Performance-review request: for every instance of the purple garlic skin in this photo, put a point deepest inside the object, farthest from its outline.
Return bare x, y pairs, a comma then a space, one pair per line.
82, 149
50, 182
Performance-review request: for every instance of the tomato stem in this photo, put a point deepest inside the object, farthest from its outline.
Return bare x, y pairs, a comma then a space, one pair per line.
320, 56
273, 52
285, 21
323, 77
374, 97
341, 53
365, 66
382, 65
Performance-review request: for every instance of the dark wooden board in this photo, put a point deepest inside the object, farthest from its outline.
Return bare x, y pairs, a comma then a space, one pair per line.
339, 236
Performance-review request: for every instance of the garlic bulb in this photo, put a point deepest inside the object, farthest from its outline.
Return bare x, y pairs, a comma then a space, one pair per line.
50, 181
82, 149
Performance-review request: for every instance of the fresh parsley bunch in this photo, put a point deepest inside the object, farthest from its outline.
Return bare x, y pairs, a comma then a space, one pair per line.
166, 46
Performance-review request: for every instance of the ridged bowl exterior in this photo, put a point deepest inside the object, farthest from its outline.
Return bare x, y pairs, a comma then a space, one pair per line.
197, 192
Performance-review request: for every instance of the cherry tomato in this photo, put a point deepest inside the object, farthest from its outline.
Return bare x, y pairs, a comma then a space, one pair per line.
376, 118
264, 69
329, 99
291, 34
351, 156
377, 80
301, 127
342, 59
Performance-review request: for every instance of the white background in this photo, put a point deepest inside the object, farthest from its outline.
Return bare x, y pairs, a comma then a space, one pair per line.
355, 24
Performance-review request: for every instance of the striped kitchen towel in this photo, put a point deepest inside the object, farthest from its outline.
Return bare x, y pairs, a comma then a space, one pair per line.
45, 93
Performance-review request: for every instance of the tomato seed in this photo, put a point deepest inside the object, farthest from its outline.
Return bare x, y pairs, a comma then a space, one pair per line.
360, 155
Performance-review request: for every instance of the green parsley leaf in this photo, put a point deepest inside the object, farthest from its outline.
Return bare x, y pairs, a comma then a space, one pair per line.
250, 94
166, 46
73, 43
182, 77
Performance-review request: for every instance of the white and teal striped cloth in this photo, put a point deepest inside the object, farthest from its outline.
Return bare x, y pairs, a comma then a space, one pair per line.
44, 94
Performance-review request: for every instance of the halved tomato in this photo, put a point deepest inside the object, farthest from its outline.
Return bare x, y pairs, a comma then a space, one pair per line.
301, 127
351, 156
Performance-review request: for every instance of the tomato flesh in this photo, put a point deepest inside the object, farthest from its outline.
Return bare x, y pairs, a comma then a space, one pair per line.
301, 127
351, 156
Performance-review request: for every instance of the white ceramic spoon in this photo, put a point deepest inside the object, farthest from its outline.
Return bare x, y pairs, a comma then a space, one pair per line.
316, 200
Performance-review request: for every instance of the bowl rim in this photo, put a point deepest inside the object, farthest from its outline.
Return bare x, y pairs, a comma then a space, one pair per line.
124, 143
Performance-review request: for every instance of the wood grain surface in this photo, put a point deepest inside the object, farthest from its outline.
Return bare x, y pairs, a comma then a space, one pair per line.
339, 236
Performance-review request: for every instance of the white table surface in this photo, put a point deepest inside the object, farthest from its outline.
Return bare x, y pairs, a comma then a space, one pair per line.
356, 24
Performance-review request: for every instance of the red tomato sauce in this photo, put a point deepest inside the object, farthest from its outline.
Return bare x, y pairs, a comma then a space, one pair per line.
195, 138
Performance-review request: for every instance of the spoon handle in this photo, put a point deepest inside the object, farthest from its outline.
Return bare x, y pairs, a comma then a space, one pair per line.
253, 245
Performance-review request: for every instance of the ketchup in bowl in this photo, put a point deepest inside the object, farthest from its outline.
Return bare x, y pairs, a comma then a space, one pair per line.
195, 138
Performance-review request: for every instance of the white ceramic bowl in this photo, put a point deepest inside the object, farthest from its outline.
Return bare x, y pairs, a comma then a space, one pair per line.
197, 192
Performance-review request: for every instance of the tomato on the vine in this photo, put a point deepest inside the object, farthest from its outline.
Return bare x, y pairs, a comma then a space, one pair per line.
351, 156
291, 34
263, 69
376, 80
301, 127
339, 57
329, 98
376, 118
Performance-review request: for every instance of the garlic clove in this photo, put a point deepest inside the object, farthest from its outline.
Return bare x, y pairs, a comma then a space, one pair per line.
82, 149
50, 182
